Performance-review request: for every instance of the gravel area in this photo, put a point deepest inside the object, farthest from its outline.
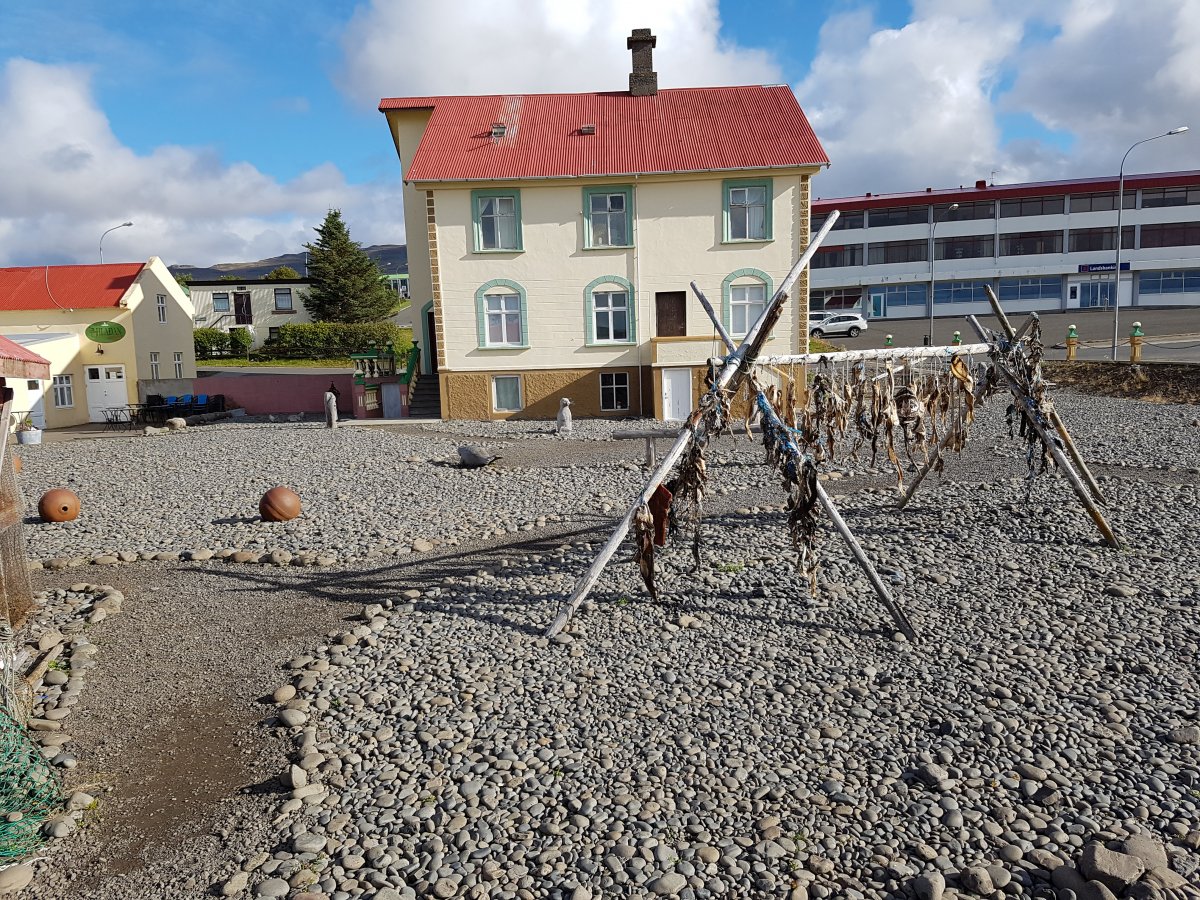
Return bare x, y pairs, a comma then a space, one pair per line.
740, 739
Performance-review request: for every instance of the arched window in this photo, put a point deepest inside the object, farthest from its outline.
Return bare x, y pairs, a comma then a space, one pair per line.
744, 296
610, 311
500, 315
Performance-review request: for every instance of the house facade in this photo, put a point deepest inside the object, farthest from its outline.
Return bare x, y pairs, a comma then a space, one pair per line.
1040, 246
260, 305
112, 334
552, 238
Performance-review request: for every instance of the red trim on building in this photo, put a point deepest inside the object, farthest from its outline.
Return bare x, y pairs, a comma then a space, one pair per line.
676, 130
1007, 191
66, 287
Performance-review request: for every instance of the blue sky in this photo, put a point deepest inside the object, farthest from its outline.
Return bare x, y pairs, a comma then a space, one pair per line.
225, 129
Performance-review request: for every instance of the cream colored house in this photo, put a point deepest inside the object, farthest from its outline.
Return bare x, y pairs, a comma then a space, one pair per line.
260, 305
552, 238
112, 334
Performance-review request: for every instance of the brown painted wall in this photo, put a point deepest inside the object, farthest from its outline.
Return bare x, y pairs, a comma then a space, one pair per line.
468, 395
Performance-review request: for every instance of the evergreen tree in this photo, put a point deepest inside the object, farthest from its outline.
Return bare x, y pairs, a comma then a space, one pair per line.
346, 285
282, 273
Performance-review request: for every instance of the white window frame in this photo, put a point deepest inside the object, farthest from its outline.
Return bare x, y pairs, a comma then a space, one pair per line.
496, 407
611, 389
502, 309
162, 309
605, 314
291, 307
749, 308
64, 391
178, 363
154, 370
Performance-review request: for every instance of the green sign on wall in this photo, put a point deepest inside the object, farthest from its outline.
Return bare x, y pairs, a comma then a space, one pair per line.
105, 332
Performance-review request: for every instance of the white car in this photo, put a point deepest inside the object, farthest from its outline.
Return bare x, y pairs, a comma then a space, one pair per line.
849, 324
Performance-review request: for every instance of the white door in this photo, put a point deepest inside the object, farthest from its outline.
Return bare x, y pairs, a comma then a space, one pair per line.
676, 394
105, 389
37, 402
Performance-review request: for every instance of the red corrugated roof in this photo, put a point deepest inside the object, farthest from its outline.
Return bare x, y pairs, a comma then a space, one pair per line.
675, 130
1100, 184
18, 362
66, 287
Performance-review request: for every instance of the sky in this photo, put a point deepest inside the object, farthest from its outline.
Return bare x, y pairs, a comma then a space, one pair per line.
225, 130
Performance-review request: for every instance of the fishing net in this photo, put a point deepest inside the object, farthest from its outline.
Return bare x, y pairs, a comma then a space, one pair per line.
30, 791
16, 594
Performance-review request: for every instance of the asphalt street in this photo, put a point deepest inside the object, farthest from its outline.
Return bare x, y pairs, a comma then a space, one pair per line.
1172, 335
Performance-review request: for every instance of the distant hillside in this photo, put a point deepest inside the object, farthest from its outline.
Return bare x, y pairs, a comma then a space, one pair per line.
392, 259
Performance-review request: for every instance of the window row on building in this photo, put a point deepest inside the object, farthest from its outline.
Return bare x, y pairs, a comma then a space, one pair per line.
284, 301
156, 365
608, 216
1020, 243
924, 214
1047, 288
502, 315
507, 395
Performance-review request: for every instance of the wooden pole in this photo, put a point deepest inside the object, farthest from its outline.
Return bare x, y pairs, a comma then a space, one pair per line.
1052, 415
925, 470
1030, 408
736, 366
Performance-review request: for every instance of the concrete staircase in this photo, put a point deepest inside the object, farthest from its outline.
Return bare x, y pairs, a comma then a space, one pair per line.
426, 402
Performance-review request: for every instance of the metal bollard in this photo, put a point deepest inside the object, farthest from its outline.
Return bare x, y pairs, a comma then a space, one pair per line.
1072, 343
887, 340
1135, 343
956, 339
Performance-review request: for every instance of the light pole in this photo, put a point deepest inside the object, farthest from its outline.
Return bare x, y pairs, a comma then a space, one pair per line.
114, 228
932, 263
1116, 299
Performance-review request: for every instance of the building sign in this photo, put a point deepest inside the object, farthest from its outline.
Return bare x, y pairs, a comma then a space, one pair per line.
104, 332
1103, 267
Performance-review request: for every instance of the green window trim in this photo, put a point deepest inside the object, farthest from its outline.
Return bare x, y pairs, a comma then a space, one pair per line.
477, 225
589, 311
730, 184
481, 315
727, 292
588, 193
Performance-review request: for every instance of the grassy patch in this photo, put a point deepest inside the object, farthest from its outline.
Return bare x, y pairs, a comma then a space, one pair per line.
262, 363
816, 345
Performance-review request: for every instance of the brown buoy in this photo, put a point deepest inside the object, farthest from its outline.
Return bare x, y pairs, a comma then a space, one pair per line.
58, 505
279, 504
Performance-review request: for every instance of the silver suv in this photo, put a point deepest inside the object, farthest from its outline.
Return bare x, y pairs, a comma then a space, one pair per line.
849, 324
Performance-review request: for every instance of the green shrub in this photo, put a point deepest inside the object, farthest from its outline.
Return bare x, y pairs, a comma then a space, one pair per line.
331, 340
210, 342
240, 340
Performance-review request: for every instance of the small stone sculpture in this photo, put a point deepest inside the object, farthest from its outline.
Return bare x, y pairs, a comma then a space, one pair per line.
475, 457
564, 416
176, 424
279, 504
59, 505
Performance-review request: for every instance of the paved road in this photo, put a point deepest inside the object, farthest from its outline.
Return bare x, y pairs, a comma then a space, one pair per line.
1172, 335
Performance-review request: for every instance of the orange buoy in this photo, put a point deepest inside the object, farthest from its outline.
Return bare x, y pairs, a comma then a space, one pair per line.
279, 504
16, 463
58, 505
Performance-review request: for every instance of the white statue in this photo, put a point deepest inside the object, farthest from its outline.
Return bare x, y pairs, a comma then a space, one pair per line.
564, 416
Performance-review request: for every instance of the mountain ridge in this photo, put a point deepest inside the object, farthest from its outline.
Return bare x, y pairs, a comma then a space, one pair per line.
392, 259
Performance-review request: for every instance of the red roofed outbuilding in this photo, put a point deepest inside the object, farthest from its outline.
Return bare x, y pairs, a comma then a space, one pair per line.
552, 238
111, 333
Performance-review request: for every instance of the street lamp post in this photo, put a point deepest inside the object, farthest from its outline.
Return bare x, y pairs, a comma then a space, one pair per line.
114, 228
1116, 298
932, 264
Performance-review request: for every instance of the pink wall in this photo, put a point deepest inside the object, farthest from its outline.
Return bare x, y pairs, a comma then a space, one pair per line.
262, 394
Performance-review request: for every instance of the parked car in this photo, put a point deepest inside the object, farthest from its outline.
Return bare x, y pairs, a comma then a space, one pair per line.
849, 324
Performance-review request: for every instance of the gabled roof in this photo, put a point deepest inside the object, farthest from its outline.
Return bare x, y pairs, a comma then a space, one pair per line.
66, 287
984, 191
17, 362
675, 130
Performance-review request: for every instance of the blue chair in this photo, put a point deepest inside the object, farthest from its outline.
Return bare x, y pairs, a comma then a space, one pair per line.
201, 403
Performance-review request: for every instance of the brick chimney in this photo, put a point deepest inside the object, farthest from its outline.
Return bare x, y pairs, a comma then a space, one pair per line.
643, 80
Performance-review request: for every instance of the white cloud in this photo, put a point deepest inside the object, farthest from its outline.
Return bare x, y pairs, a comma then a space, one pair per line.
399, 48
65, 178
935, 103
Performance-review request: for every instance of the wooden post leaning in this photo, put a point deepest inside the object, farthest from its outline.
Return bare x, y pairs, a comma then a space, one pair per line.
1030, 407
1057, 422
732, 373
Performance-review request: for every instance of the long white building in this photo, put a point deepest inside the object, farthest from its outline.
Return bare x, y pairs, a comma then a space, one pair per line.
1041, 246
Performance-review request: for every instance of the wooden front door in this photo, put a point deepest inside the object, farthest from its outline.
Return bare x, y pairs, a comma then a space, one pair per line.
670, 313
242, 314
